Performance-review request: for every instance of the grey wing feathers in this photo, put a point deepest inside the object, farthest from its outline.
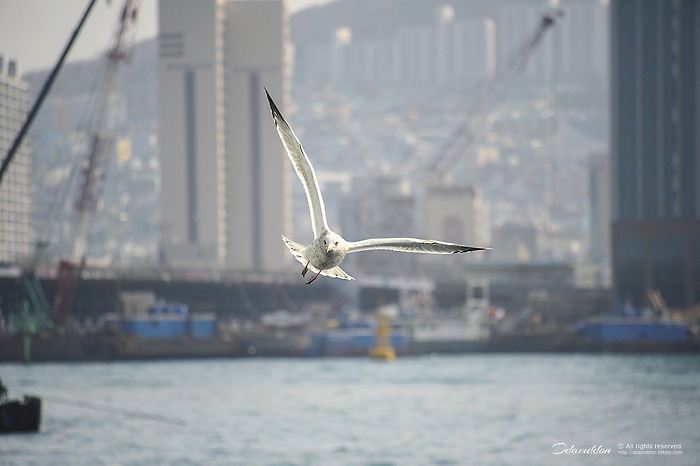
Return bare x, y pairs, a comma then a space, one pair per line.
423, 246
303, 168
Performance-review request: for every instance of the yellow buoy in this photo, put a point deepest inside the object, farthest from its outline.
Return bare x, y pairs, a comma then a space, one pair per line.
382, 348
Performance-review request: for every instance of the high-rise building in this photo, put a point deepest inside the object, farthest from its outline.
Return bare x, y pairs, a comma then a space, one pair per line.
191, 129
15, 190
655, 144
599, 189
224, 172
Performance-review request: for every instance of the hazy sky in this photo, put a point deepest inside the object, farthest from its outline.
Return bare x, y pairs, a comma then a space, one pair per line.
36, 31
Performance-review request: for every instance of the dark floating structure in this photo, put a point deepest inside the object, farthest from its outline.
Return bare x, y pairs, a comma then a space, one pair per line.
20, 416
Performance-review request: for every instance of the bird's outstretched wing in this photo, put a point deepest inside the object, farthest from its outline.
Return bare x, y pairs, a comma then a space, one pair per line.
423, 246
303, 168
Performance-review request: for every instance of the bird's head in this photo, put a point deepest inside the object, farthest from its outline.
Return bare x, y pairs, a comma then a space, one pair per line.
333, 243
330, 244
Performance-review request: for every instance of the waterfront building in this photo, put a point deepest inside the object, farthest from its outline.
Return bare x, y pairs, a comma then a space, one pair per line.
655, 144
16, 187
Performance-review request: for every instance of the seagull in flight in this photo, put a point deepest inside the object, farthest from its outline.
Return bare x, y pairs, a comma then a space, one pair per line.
328, 249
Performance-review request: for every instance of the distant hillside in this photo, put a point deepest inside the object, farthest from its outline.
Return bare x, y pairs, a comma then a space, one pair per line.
79, 77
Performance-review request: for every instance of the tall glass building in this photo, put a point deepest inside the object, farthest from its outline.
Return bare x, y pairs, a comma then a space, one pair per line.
655, 147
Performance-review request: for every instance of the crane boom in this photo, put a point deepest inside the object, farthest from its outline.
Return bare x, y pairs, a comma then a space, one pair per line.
448, 154
96, 163
43, 93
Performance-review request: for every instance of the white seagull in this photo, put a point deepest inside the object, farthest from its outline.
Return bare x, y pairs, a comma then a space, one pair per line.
325, 253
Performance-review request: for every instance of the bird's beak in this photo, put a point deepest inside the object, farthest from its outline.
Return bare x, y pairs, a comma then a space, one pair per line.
329, 248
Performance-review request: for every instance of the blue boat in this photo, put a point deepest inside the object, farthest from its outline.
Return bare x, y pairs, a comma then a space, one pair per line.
631, 329
628, 324
169, 321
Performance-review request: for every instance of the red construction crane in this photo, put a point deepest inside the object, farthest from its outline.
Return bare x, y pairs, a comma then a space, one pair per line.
96, 162
464, 135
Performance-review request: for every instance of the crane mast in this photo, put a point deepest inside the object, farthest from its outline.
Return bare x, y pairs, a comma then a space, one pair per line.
96, 163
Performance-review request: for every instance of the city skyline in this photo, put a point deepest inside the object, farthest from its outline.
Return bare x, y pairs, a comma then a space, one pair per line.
398, 128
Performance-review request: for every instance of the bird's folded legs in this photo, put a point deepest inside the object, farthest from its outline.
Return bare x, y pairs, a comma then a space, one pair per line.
304, 272
313, 278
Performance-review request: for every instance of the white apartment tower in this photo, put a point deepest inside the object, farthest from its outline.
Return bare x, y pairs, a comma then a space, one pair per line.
15, 190
224, 172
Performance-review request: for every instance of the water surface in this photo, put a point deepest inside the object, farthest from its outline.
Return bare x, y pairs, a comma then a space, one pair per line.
468, 409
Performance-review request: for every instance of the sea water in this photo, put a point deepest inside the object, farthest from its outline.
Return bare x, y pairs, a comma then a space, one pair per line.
495, 409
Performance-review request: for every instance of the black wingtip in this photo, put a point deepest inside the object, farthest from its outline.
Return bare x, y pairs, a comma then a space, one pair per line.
273, 107
470, 249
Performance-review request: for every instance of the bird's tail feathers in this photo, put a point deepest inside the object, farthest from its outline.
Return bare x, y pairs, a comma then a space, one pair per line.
336, 272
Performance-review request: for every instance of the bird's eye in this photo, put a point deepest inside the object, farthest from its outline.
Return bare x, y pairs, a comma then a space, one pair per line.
336, 243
